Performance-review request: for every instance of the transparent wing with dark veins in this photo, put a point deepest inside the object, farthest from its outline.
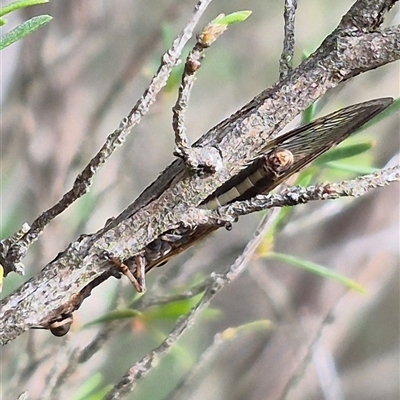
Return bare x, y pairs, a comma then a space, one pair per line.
305, 144
310, 141
299, 146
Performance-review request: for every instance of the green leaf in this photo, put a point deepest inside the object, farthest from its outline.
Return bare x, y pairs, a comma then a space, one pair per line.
88, 387
305, 54
318, 270
267, 244
341, 152
233, 18
308, 114
258, 325
167, 33
174, 79
125, 313
16, 5
24, 29
99, 394
174, 310
354, 169
305, 177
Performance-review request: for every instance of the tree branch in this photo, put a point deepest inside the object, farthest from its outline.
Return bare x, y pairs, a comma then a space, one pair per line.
217, 282
299, 195
83, 181
345, 53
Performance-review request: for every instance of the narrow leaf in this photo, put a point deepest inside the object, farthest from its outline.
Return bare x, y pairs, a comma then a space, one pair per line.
308, 114
99, 394
355, 169
16, 5
339, 153
88, 387
24, 29
305, 177
173, 310
233, 18
259, 325
318, 270
115, 315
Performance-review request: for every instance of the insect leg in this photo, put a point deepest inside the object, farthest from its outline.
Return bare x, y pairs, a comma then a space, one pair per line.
124, 268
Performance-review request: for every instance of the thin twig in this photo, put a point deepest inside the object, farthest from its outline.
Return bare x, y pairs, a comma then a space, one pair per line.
299, 195
144, 303
166, 203
105, 333
195, 158
327, 210
210, 356
285, 62
83, 181
64, 360
217, 282
134, 64
141, 304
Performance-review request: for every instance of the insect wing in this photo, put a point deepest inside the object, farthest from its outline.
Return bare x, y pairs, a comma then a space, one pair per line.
310, 141
305, 144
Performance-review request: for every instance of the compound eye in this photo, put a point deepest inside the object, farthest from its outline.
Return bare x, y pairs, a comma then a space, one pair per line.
279, 160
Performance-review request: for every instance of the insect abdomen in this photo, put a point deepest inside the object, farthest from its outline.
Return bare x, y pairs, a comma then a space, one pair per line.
253, 180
